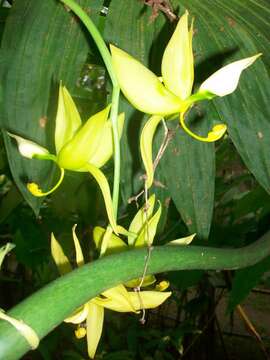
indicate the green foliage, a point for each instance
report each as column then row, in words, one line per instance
column 219, row 191
column 244, row 281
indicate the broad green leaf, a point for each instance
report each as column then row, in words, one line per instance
column 189, row 168
column 244, row 281
column 233, row 31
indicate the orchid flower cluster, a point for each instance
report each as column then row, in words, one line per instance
column 89, row 318
column 171, row 94
column 88, row 147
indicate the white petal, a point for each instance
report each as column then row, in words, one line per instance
column 225, row 80
column 28, row 148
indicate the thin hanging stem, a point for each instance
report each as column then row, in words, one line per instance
column 106, row 56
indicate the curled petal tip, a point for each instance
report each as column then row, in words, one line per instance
column 80, row 332
column 36, row 191
column 217, row 132
column 163, row 285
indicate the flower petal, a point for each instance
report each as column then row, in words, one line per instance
column 78, row 249
column 177, row 63
column 146, row 141
column 28, row 148
column 148, row 299
column 225, row 80
column 148, row 280
column 77, row 152
column 4, row 250
column 59, row 257
column 148, row 232
column 140, row 218
column 115, row 244
column 105, row 189
column 116, row 299
column 78, row 316
column 25, row 330
column 183, row 241
column 94, row 325
column 141, row 86
column 105, row 149
column 68, row 119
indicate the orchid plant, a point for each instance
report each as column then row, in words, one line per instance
column 88, row 147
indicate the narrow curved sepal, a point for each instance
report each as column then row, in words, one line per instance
column 177, row 63
column 225, row 80
column 78, row 249
column 4, row 250
column 105, row 189
column 142, row 87
column 94, row 326
column 68, row 119
column 139, row 220
column 84, row 144
column 146, row 236
column 146, row 141
column 59, row 257
column 115, row 244
column 183, row 241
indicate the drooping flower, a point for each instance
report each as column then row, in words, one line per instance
column 172, row 93
column 117, row 299
column 79, row 147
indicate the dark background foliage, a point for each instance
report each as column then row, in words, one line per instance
column 219, row 191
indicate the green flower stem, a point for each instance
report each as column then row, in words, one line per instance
column 47, row 308
column 117, row 159
column 91, row 27
column 106, row 56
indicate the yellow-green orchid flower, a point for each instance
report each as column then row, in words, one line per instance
column 172, row 93
column 79, row 147
column 116, row 299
